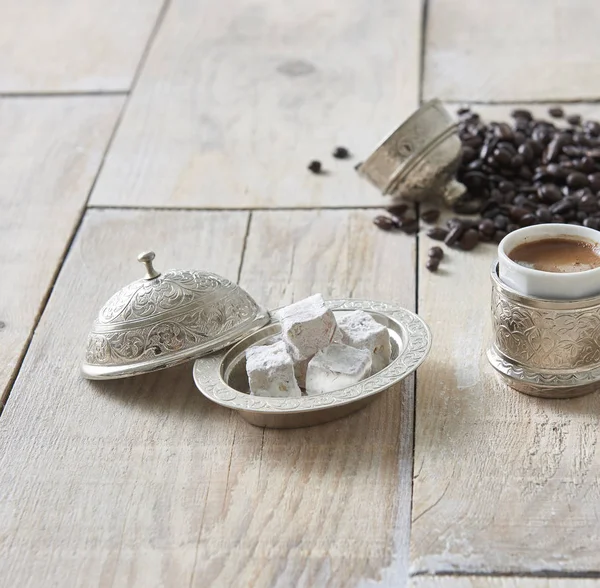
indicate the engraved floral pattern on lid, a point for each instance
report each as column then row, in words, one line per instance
column 165, row 319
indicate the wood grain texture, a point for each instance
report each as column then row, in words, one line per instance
column 144, row 482
column 73, row 45
column 512, row 50
column 48, row 160
column 237, row 98
column 504, row 483
column 500, row 582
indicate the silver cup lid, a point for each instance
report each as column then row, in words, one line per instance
column 419, row 159
column 165, row 319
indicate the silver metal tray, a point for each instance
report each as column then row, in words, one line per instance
column 221, row 377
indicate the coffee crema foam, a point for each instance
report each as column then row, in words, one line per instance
column 558, row 255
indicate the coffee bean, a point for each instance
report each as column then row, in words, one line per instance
column 499, row 235
column 549, row 193
column 574, row 119
column 592, row 223
column 577, row 180
column 315, row 167
column 410, row 227
column 592, row 128
column 469, row 240
column 517, row 161
column 500, row 222
column 341, row 153
column 581, row 216
column 544, row 215
column 468, row 154
column 562, row 206
column 556, row 112
column 430, row 216
column 468, row 207
column 502, row 157
column 436, row 252
column 454, row 234
column 505, row 186
column 511, row 227
column 398, row 209
column 528, row 219
column 588, row 203
column 433, row 263
column 463, row 110
column 487, row 227
column 504, row 132
column 594, row 180
column 385, row 223
column 526, row 151
column 521, row 113
column 517, row 213
column 437, row 233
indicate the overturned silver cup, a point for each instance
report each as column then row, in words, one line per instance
column 546, row 348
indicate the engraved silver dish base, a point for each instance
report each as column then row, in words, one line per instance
column 222, row 378
column 545, row 348
column 419, row 160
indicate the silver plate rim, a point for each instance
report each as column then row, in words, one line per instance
column 208, row 378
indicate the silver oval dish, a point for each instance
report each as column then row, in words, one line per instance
column 221, row 377
column 546, row 348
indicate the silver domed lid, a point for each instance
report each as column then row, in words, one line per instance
column 166, row 319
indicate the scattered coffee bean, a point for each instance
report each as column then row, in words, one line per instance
column 433, row 263
column 410, row 228
column 341, row 153
column 385, row 223
column 487, row 227
column 454, row 234
column 469, row 240
column 437, row 233
column 398, row 209
column 430, row 216
column 315, row 167
column 436, row 252
column 574, row 119
column 556, row 112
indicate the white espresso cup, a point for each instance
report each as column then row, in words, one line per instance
column 542, row 284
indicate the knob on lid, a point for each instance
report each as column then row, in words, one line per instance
column 168, row 318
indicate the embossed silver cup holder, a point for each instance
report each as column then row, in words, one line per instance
column 546, row 348
column 419, row 160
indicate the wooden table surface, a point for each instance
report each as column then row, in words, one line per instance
column 185, row 126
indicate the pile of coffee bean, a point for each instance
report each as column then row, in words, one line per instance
column 528, row 172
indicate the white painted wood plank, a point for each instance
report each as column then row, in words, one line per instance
column 237, row 98
column 512, row 50
column 73, row 45
column 110, row 484
column 143, row 482
column 49, row 157
column 503, row 483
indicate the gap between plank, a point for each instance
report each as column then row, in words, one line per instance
column 245, row 243
column 424, row 18
column 84, row 208
column 66, row 94
column 521, row 574
column 238, row 209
